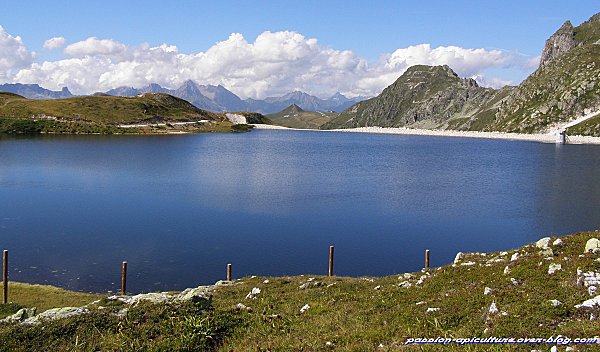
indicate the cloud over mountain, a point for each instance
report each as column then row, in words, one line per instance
column 274, row 64
column 13, row 55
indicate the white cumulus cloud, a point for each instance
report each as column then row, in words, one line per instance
column 54, row 43
column 13, row 55
column 93, row 46
column 275, row 63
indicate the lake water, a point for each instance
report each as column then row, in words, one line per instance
column 179, row 208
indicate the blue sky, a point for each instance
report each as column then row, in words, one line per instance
column 371, row 31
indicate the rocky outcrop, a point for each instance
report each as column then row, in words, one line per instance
column 559, row 43
column 28, row 316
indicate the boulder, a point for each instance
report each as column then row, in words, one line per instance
column 547, row 252
column 590, row 303
column 543, row 243
column 553, row 267
column 21, row 315
column 55, row 314
column 197, row 294
column 592, row 245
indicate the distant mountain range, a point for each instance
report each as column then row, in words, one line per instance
column 219, row 99
column 34, row 91
column 207, row 97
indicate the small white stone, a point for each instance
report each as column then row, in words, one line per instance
column 487, row 291
column 592, row 290
column 514, row 257
column 378, row 287
column 328, row 344
column 304, row 308
column 555, row 302
column 252, row 295
column 514, row 281
column 266, row 282
column 493, row 308
column 459, row 257
column 419, row 303
column 506, row 270
column 431, row 310
column 553, row 267
column 310, row 279
column 241, row 306
column 381, row 346
column 468, row 263
column 557, row 242
column 554, row 349
column 405, row 284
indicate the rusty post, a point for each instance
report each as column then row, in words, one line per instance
column 228, row 272
column 5, row 275
column 427, row 259
column 124, row 278
column 330, row 260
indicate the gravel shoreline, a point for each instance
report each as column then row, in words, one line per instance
column 543, row 138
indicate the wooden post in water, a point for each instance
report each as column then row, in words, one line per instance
column 228, row 272
column 427, row 259
column 124, row 278
column 5, row 275
column 330, row 260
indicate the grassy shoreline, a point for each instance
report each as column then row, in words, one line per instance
column 13, row 126
column 367, row 313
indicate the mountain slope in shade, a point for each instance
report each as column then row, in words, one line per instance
column 424, row 97
column 34, row 91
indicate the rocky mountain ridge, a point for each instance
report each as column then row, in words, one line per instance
column 426, row 97
column 564, row 87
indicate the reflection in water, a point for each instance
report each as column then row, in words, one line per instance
column 178, row 208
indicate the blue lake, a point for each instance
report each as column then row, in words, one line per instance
column 179, row 208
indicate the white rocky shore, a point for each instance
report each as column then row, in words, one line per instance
column 543, row 138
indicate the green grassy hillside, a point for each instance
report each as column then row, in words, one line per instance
column 101, row 114
column 294, row 117
column 105, row 109
column 353, row 314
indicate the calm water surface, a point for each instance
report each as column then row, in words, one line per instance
column 178, row 208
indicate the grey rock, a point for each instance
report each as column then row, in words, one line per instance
column 592, row 245
column 543, row 243
column 559, row 43
column 459, row 257
column 55, row 314
column 547, row 252
column 21, row 315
